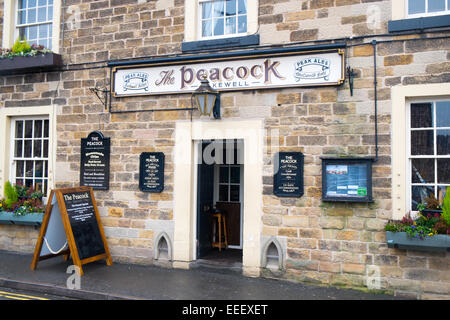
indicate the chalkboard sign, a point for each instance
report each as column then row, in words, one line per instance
column 151, row 172
column 83, row 229
column 94, row 167
column 288, row 177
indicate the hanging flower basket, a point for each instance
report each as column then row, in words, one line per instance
column 400, row 240
column 30, row 219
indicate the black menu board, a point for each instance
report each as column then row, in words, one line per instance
column 94, row 168
column 288, row 174
column 151, row 172
column 83, row 222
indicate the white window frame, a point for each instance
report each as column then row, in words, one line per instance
column 14, row 159
column 7, row 115
column 17, row 26
column 401, row 95
column 410, row 184
column 425, row 14
column 200, row 20
column 10, row 20
column 192, row 21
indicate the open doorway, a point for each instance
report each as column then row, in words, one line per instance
column 220, row 188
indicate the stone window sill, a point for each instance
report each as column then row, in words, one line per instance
column 234, row 42
column 419, row 23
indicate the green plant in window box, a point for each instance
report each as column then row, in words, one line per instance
column 426, row 224
column 22, row 48
column 21, row 200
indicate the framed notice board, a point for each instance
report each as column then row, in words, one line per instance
column 288, row 174
column 151, row 172
column 94, row 166
column 81, row 221
column 347, row 179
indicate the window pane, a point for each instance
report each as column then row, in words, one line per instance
column 422, row 142
column 218, row 9
column 37, row 150
column 43, row 31
column 231, row 7
column 18, row 149
column 218, row 27
column 230, row 25
column 31, row 16
column 22, row 4
column 50, row 13
column 206, row 10
column 421, row 115
column 242, row 6
column 29, row 168
column 234, row 193
column 242, row 24
column 42, row 2
column 32, row 34
column 442, row 190
column 45, row 154
column 22, row 17
column 38, row 128
column 46, row 129
column 235, row 175
column 42, row 14
column 39, row 169
column 443, row 170
column 31, row 3
column 19, row 168
column 46, row 168
column 422, row 170
column 28, row 128
column 29, row 182
column 206, row 28
column 223, row 192
column 416, row 6
column 27, row 149
column 443, row 142
column 419, row 194
column 19, row 129
column 443, row 114
column 436, row 5
column 223, row 175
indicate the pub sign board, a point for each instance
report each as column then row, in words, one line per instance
column 94, row 167
column 151, row 172
column 82, row 225
column 288, row 177
column 261, row 71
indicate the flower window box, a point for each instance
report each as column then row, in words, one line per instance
column 31, row 219
column 400, row 240
column 39, row 62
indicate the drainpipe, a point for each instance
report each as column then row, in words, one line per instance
column 374, row 44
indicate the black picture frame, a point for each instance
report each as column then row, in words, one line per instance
column 151, row 172
column 358, row 193
column 288, row 174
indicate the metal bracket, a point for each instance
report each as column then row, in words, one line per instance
column 350, row 75
column 98, row 93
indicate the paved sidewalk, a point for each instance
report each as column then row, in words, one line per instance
column 123, row 281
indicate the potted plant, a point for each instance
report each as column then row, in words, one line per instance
column 429, row 231
column 21, row 205
column 25, row 57
column 431, row 205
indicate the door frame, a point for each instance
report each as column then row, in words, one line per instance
column 185, row 192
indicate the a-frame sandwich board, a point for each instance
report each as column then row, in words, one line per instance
column 82, row 228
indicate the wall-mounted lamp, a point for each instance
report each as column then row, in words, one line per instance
column 207, row 99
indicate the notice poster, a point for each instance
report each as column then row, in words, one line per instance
column 151, row 172
column 346, row 180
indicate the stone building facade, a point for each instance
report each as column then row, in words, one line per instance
column 330, row 243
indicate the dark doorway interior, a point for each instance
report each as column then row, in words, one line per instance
column 214, row 192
